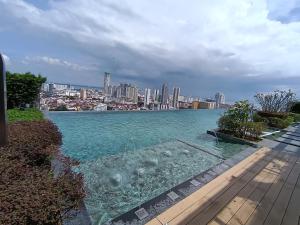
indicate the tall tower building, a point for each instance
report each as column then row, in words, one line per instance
column 176, row 93
column 164, row 95
column 220, row 99
column 132, row 93
column 83, row 94
column 147, row 97
column 106, row 82
column 155, row 95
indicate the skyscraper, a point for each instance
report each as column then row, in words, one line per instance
column 220, row 99
column 83, row 94
column 164, row 96
column 176, row 93
column 132, row 93
column 147, row 97
column 155, row 95
column 106, row 82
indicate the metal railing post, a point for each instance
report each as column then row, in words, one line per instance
column 3, row 103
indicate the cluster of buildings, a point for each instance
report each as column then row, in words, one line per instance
column 120, row 97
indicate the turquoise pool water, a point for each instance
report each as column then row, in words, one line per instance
column 128, row 158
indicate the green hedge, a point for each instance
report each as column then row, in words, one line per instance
column 296, row 117
column 273, row 114
column 277, row 120
column 15, row 115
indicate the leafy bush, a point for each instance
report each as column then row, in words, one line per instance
column 258, row 118
column 295, row 116
column 30, row 193
column 273, row 114
column 280, row 123
column 15, row 115
column 275, row 119
column 254, row 129
column 239, row 122
column 22, row 88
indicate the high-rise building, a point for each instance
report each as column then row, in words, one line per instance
column 155, row 95
column 220, row 99
column 147, row 97
column 176, row 93
column 83, row 94
column 132, row 93
column 164, row 95
column 106, row 82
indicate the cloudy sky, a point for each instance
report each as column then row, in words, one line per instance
column 238, row 47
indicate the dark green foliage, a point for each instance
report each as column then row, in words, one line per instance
column 296, row 107
column 238, row 121
column 30, row 193
column 15, row 115
column 22, row 88
column 296, row 116
column 279, row 123
column 254, row 129
column 273, row 114
column 258, row 118
column 276, row 120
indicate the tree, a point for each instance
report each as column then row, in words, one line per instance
column 238, row 121
column 278, row 101
column 22, row 88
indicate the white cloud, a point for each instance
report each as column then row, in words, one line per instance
column 57, row 62
column 6, row 59
column 175, row 30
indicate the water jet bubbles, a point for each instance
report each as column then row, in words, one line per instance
column 139, row 172
column 151, row 162
column 186, row 152
column 167, row 153
column 116, row 179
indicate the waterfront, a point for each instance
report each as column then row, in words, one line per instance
column 130, row 157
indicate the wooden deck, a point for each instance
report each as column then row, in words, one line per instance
column 262, row 189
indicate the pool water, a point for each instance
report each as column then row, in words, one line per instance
column 128, row 158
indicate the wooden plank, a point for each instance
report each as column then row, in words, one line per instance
column 202, row 214
column 249, row 206
column 277, row 212
column 230, row 210
column 292, row 214
column 215, row 185
column 154, row 222
column 262, row 210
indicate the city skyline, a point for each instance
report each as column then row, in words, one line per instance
column 238, row 47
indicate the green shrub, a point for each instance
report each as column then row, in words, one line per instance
column 258, row 118
column 227, row 123
column 280, row 123
column 254, row 129
column 15, row 115
column 295, row 116
column 280, row 115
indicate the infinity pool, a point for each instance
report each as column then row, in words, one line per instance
column 128, row 158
